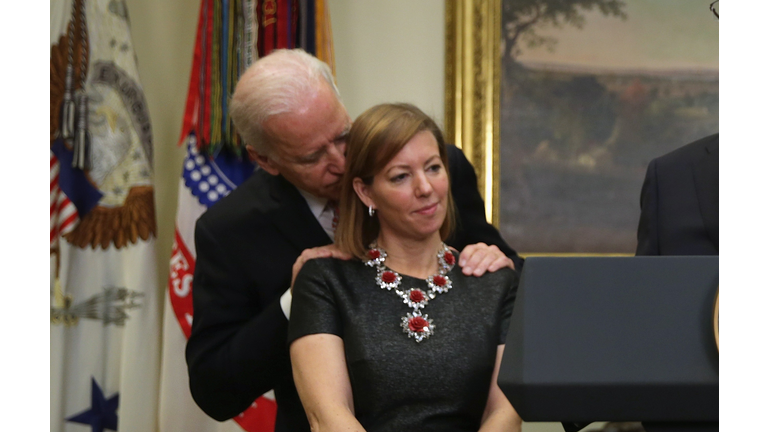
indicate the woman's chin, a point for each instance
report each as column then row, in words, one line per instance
column 419, row 229
column 427, row 232
column 431, row 226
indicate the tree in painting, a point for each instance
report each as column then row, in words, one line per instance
column 573, row 113
column 520, row 18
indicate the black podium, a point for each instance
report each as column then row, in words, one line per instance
column 615, row 339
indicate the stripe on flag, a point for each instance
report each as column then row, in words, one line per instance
column 64, row 216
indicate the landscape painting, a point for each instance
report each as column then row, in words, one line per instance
column 591, row 92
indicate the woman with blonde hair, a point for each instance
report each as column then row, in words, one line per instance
column 399, row 338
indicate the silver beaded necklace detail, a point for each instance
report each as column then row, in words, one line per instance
column 415, row 324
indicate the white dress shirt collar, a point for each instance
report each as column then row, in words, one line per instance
column 321, row 211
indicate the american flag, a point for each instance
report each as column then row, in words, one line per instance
column 64, row 216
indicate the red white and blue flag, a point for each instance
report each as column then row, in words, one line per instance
column 204, row 181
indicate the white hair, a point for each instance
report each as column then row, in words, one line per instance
column 275, row 84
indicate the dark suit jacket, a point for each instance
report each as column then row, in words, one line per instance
column 680, row 201
column 246, row 246
column 680, row 216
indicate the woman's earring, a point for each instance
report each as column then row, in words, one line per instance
column 371, row 211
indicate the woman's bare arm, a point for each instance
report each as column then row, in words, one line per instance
column 322, row 380
column 499, row 414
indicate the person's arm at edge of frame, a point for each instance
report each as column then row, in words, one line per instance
column 648, row 226
column 499, row 414
column 233, row 357
column 472, row 227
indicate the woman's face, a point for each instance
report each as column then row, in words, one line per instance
column 410, row 193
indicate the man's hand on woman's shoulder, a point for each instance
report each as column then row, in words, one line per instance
column 477, row 259
column 329, row 251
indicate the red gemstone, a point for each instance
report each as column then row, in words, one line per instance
column 417, row 296
column 417, row 324
column 373, row 254
column 439, row 280
column 449, row 258
column 388, row 277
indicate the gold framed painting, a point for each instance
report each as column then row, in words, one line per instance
column 560, row 106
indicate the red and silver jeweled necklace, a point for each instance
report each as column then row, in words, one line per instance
column 414, row 324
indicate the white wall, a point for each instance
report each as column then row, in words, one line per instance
column 389, row 51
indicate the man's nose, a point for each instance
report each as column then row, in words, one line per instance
column 337, row 159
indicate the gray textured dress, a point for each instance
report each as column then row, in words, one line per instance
column 439, row 384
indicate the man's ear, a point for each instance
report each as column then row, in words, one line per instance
column 264, row 161
column 363, row 192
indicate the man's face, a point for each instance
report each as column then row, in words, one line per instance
column 309, row 145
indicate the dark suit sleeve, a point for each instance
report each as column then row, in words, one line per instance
column 648, row 228
column 471, row 225
column 236, row 350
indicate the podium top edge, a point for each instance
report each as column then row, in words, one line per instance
column 591, row 256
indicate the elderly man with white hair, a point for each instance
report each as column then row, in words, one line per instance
column 251, row 244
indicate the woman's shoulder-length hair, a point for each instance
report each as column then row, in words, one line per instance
column 376, row 137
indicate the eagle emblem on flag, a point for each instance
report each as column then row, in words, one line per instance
column 102, row 196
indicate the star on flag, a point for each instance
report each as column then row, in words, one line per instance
column 103, row 412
